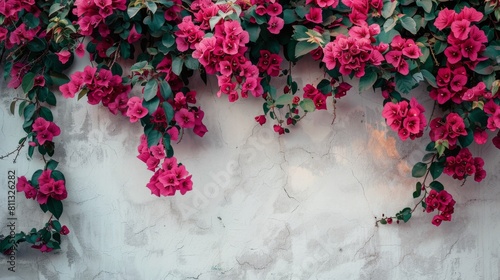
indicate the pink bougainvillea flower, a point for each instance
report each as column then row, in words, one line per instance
column 63, row 56
column 275, row 24
column 315, row 15
column 133, row 36
column 274, row 9
column 64, row 230
column 454, row 54
column 135, row 109
column 469, row 14
column 279, row 129
column 260, row 119
column 460, row 29
column 185, row 118
column 80, row 51
column 445, row 18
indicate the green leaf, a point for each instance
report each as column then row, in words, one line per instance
column 192, row 63
column 29, row 111
column 418, row 190
column 151, row 6
column 404, row 84
column 409, row 24
column 425, row 4
column 51, row 164
column 285, row 99
column 51, row 98
column 304, row 47
column 307, row 105
column 289, row 16
column 132, row 11
column 37, row 45
column 165, row 90
column 54, row 8
column 169, row 111
column 429, row 78
column 151, row 89
column 151, row 105
column 153, row 137
column 57, row 175
column 56, row 225
column 12, row 107
column 484, row 67
column 177, row 64
column 324, row 86
column 467, row 139
column 367, row 81
column 419, row 170
column 46, row 114
column 58, row 79
column 388, row 8
column 437, row 186
column 55, row 207
column 28, row 82
column 389, row 24
column 436, row 169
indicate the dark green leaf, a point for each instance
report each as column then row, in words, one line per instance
column 28, row 82
column 437, row 186
column 153, row 137
column 37, row 45
column 46, row 114
column 58, row 79
column 467, row 139
column 55, row 207
column 57, row 175
column 409, row 24
column 51, row 164
column 419, row 170
column 418, row 190
column 436, row 169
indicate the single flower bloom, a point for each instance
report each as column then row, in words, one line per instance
column 133, row 36
column 185, row 118
column 275, row 24
column 63, row 56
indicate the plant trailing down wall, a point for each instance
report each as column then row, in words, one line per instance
column 392, row 46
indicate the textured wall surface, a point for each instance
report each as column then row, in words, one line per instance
column 263, row 206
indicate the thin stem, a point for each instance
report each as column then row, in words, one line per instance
column 18, row 150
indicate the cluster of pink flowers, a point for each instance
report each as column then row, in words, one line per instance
column 222, row 54
column 169, row 176
column 45, row 130
column 102, row 86
column 361, row 9
column 316, row 96
column 135, row 110
column 407, row 119
column 355, row 51
column 92, row 13
column 493, row 110
column 269, row 63
column 271, row 10
column 466, row 40
column 9, row 10
column 449, row 128
column 402, row 49
column 441, row 201
column 451, row 84
column 47, row 187
column 186, row 116
column 463, row 165
column 188, row 35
